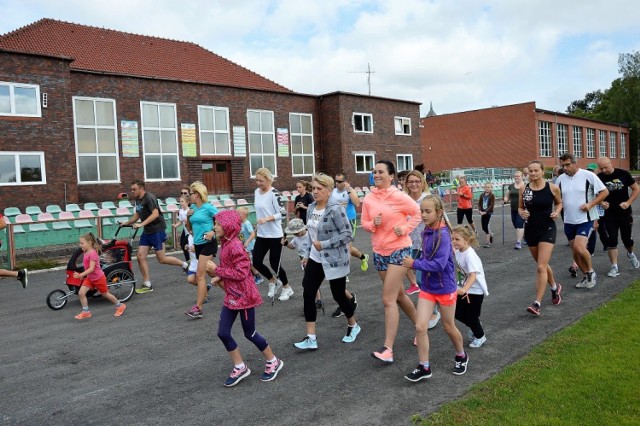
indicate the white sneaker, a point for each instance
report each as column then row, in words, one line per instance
column 582, row 283
column 476, row 343
column 591, row 283
column 613, row 272
column 274, row 288
column 434, row 322
column 634, row 260
column 286, row 294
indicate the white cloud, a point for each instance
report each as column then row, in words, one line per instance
column 461, row 55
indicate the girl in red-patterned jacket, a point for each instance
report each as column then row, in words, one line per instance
column 234, row 276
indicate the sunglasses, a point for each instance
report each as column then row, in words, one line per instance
column 339, row 181
column 184, row 193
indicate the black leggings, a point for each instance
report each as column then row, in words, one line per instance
column 274, row 247
column 184, row 244
column 484, row 220
column 468, row 313
column 313, row 277
column 462, row 213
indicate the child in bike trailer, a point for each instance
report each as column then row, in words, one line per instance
column 93, row 277
column 234, row 276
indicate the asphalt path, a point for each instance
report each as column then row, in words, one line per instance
column 154, row 365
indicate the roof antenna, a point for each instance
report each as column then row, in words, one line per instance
column 368, row 72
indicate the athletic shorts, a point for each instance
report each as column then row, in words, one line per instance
column 155, row 240
column 443, row 299
column 207, row 249
column 534, row 236
column 382, row 262
column 100, row 284
column 580, row 230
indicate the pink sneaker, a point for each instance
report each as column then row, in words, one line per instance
column 384, row 354
column 84, row 314
column 413, row 289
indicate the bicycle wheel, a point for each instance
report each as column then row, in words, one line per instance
column 57, row 299
column 121, row 284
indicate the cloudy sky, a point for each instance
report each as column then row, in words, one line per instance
column 459, row 54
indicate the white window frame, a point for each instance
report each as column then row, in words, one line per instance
column 160, row 129
column 602, row 143
column 215, row 132
column 12, row 99
column 544, row 138
column 16, row 163
column 612, row 144
column 562, row 147
column 623, row 145
column 402, row 126
column 293, row 140
column 365, row 155
column 577, row 141
column 363, row 116
column 262, row 133
column 591, row 148
column 407, row 159
column 96, row 127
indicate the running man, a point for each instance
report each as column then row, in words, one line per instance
column 581, row 192
column 154, row 234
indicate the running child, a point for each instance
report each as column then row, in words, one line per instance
column 437, row 286
column 248, row 237
column 486, row 202
column 233, row 275
column 472, row 287
column 182, row 218
column 93, row 277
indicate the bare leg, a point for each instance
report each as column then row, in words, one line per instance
column 201, row 280
column 143, row 251
column 393, row 296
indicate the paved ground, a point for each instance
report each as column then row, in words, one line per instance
column 154, row 365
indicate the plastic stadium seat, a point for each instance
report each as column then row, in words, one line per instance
column 229, row 203
column 42, row 217
column 72, row 208
column 65, row 224
column 12, row 211
column 242, row 202
column 36, row 227
column 286, row 193
column 295, row 193
column 53, row 209
column 105, row 214
column 108, row 205
column 171, row 200
column 84, row 223
column 212, row 197
column 33, row 210
column 172, row 208
column 125, row 203
column 217, row 204
column 91, row 206
column 123, row 211
column 23, row 218
column 223, row 197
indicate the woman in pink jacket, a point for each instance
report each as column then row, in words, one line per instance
column 390, row 215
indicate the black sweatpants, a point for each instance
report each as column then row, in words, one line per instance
column 313, row 277
column 468, row 313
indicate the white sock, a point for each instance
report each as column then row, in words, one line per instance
column 312, row 336
column 147, row 283
column 271, row 361
column 240, row 366
column 185, row 265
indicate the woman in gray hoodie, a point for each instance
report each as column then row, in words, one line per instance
column 329, row 232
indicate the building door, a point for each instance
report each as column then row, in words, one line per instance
column 217, row 176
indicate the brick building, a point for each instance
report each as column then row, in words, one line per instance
column 513, row 135
column 85, row 110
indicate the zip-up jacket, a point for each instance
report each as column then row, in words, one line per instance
column 438, row 271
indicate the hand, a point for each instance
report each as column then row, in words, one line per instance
column 77, row 275
column 407, row 262
column 303, row 262
column 398, row 231
column 584, row 207
column 262, row 220
column 605, row 205
column 317, row 245
column 554, row 215
column 377, row 221
column 524, row 213
column 624, row 205
column 209, row 235
column 461, row 291
column 136, row 225
column 215, row 281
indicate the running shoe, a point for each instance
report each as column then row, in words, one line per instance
column 364, row 263
column 274, row 288
column 258, row 279
column 460, row 366
column 582, row 283
column 82, row 315
column 434, row 322
column 285, row 294
column 534, row 308
column 384, row 354
column 194, row 312
column 418, row 374
column 413, row 289
column 518, row 245
column 634, row 260
column 319, row 304
column 23, row 277
column 591, row 279
column 613, row 272
column 120, row 310
column 307, row 344
column 476, row 343
column 573, row 271
column 144, row 289
column 236, row 376
column 271, row 370
column 556, row 296
column 337, row 313
column 352, row 333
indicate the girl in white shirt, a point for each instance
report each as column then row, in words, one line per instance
column 472, row 286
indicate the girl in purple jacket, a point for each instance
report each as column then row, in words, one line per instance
column 234, row 276
column 437, row 286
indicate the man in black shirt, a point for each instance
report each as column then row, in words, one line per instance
column 154, row 234
column 617, row 208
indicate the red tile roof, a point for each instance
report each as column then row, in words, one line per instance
column 107, row 51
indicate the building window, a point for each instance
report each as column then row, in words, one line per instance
column 160, row 141
column 302, row 163
column 18, row 99
column 213, row 124
column 404, row 162
column 262, row 142
column 623, row 145
column 96, row 135
column 365, row 161
column 403, row 126
column 362, row 123
column 22, row 168
column 562, row 139
column 591, row 146
column 545, row 138
column 602, row 143
column 612, row 144
column 577, row 142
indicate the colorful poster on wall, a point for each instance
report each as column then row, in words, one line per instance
column 130, row 144
column 283, row 142
column 188, row 140
column 239, row 141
